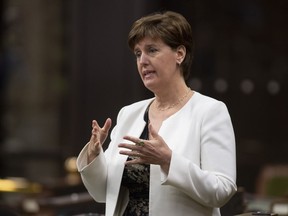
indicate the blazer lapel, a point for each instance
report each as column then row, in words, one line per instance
column 117, row 164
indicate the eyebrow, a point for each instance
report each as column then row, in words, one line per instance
column 147, row 45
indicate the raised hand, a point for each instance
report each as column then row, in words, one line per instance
column 152, row 151
column 98, row 137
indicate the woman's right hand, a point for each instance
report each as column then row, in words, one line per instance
column 97, row 139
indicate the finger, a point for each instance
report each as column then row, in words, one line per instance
column 132, row 139
column 140, row 143
column 127, row 146
column 107, row 125
column 95, row 128
column 95, row 124
column 134, row 154
column 129, row 153
column 137, row 159
column 134, row 161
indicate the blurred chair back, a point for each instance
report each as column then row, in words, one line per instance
column 273, row 181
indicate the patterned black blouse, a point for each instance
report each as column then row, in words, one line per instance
column 136, row 179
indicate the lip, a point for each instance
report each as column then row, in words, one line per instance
column 147, row 73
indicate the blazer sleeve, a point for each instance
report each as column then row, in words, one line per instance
column 213, row 182
column 94, row 175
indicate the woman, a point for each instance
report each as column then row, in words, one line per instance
column 173, row 154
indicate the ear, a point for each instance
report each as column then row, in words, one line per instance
column 180, row 54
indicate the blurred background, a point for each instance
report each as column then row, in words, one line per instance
column 66, row 62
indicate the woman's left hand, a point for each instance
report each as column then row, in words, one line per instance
column 152, row 151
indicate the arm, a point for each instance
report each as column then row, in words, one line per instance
column 94, row 170
column 93, row 174
column 91, row 162
column 213, row 183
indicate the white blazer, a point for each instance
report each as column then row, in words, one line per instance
column 202, row 172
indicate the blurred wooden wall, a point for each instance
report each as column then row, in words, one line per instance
column 240, row 58
column 32, row 57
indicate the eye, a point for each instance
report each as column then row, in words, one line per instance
column 137, row 54
column 152, row 50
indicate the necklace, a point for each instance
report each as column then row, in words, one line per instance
column 177, row 103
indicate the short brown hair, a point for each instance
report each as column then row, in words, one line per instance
column 172, row 28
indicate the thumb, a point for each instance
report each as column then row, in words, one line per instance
column 107, row 125
column 104, row 130
column 152, row 131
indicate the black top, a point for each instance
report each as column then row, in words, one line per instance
column 136, row 179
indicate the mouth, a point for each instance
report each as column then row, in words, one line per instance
column 147, row 73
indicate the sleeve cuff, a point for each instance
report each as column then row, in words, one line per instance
column 82, row 159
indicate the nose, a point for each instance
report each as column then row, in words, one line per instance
column 143, row 60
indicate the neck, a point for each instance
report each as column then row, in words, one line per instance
column 169, row 100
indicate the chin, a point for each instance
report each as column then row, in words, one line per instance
column 152, row 88
column 149, row 86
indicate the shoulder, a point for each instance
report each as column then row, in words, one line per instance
column 204, row 104
column 204, row 99
column 201, row 99
column 211, row 113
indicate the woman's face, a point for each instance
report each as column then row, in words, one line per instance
column 157, row 63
